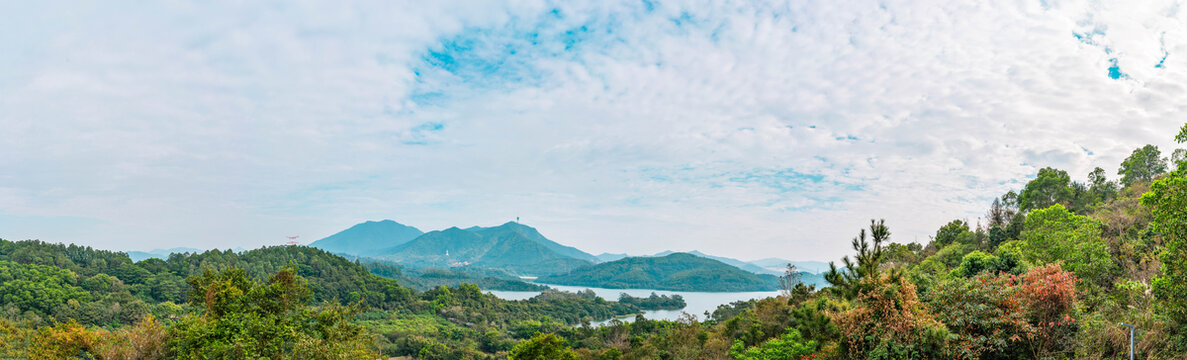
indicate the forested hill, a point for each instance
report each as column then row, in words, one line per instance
column 89, row 274
column 67, row 301
column 677, row 272
column 731, row 262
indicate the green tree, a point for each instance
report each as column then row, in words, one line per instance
column 1100, row 186
column 956, row 231
column 1178, row 157
column 542, row 346
column 1055, row 234
column 789, row 346
column 37, row 288
column 1167, row 201
column 977, row 262
column 1143, row 164
column 851, row 280
column 1051, row 186
column 247, row 319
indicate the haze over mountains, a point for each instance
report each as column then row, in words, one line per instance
column 160, row 253
column 521, row 250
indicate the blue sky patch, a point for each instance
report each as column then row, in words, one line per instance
column 1115, row 70
column 423, row 134
column 786, row 180
column 506, row 57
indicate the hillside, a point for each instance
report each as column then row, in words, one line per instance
column 514, row 229
column 155, row 280
column 731, row 262
column 677, row 272
column 511, row 247
column 429, row 278
column 367, row 238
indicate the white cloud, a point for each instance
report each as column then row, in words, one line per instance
column 675, row 128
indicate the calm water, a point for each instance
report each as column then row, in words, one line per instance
column 698, row 302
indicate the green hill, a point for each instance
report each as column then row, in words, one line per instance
column 511, row 247
column 676, row 272
column 729, row 261
column 368, row 237
column 113, row 278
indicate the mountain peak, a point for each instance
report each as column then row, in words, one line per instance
column 384, row 221
column 515, row 225
column 368, row 236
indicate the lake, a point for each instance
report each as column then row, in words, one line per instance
column 697, row 302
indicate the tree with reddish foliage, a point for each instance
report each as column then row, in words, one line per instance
column 889, row 322
column 1006, row 316
column 985, row 313
column 1049, row 294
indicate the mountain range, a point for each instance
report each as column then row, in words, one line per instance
column 521, row 251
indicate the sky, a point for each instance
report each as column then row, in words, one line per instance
column 747, row 129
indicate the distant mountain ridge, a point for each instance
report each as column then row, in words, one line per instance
column 607, row 257
column 517, row 249
column 676, row 272
column 814, row 267
column 368, row 237
column 160, row 253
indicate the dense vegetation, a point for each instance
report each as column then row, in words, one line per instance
column 429, row 278
column 676, row 272
column 654, row 302
column 286, row 302
column 1050, row 274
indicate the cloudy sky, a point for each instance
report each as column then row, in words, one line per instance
column 748, row 129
